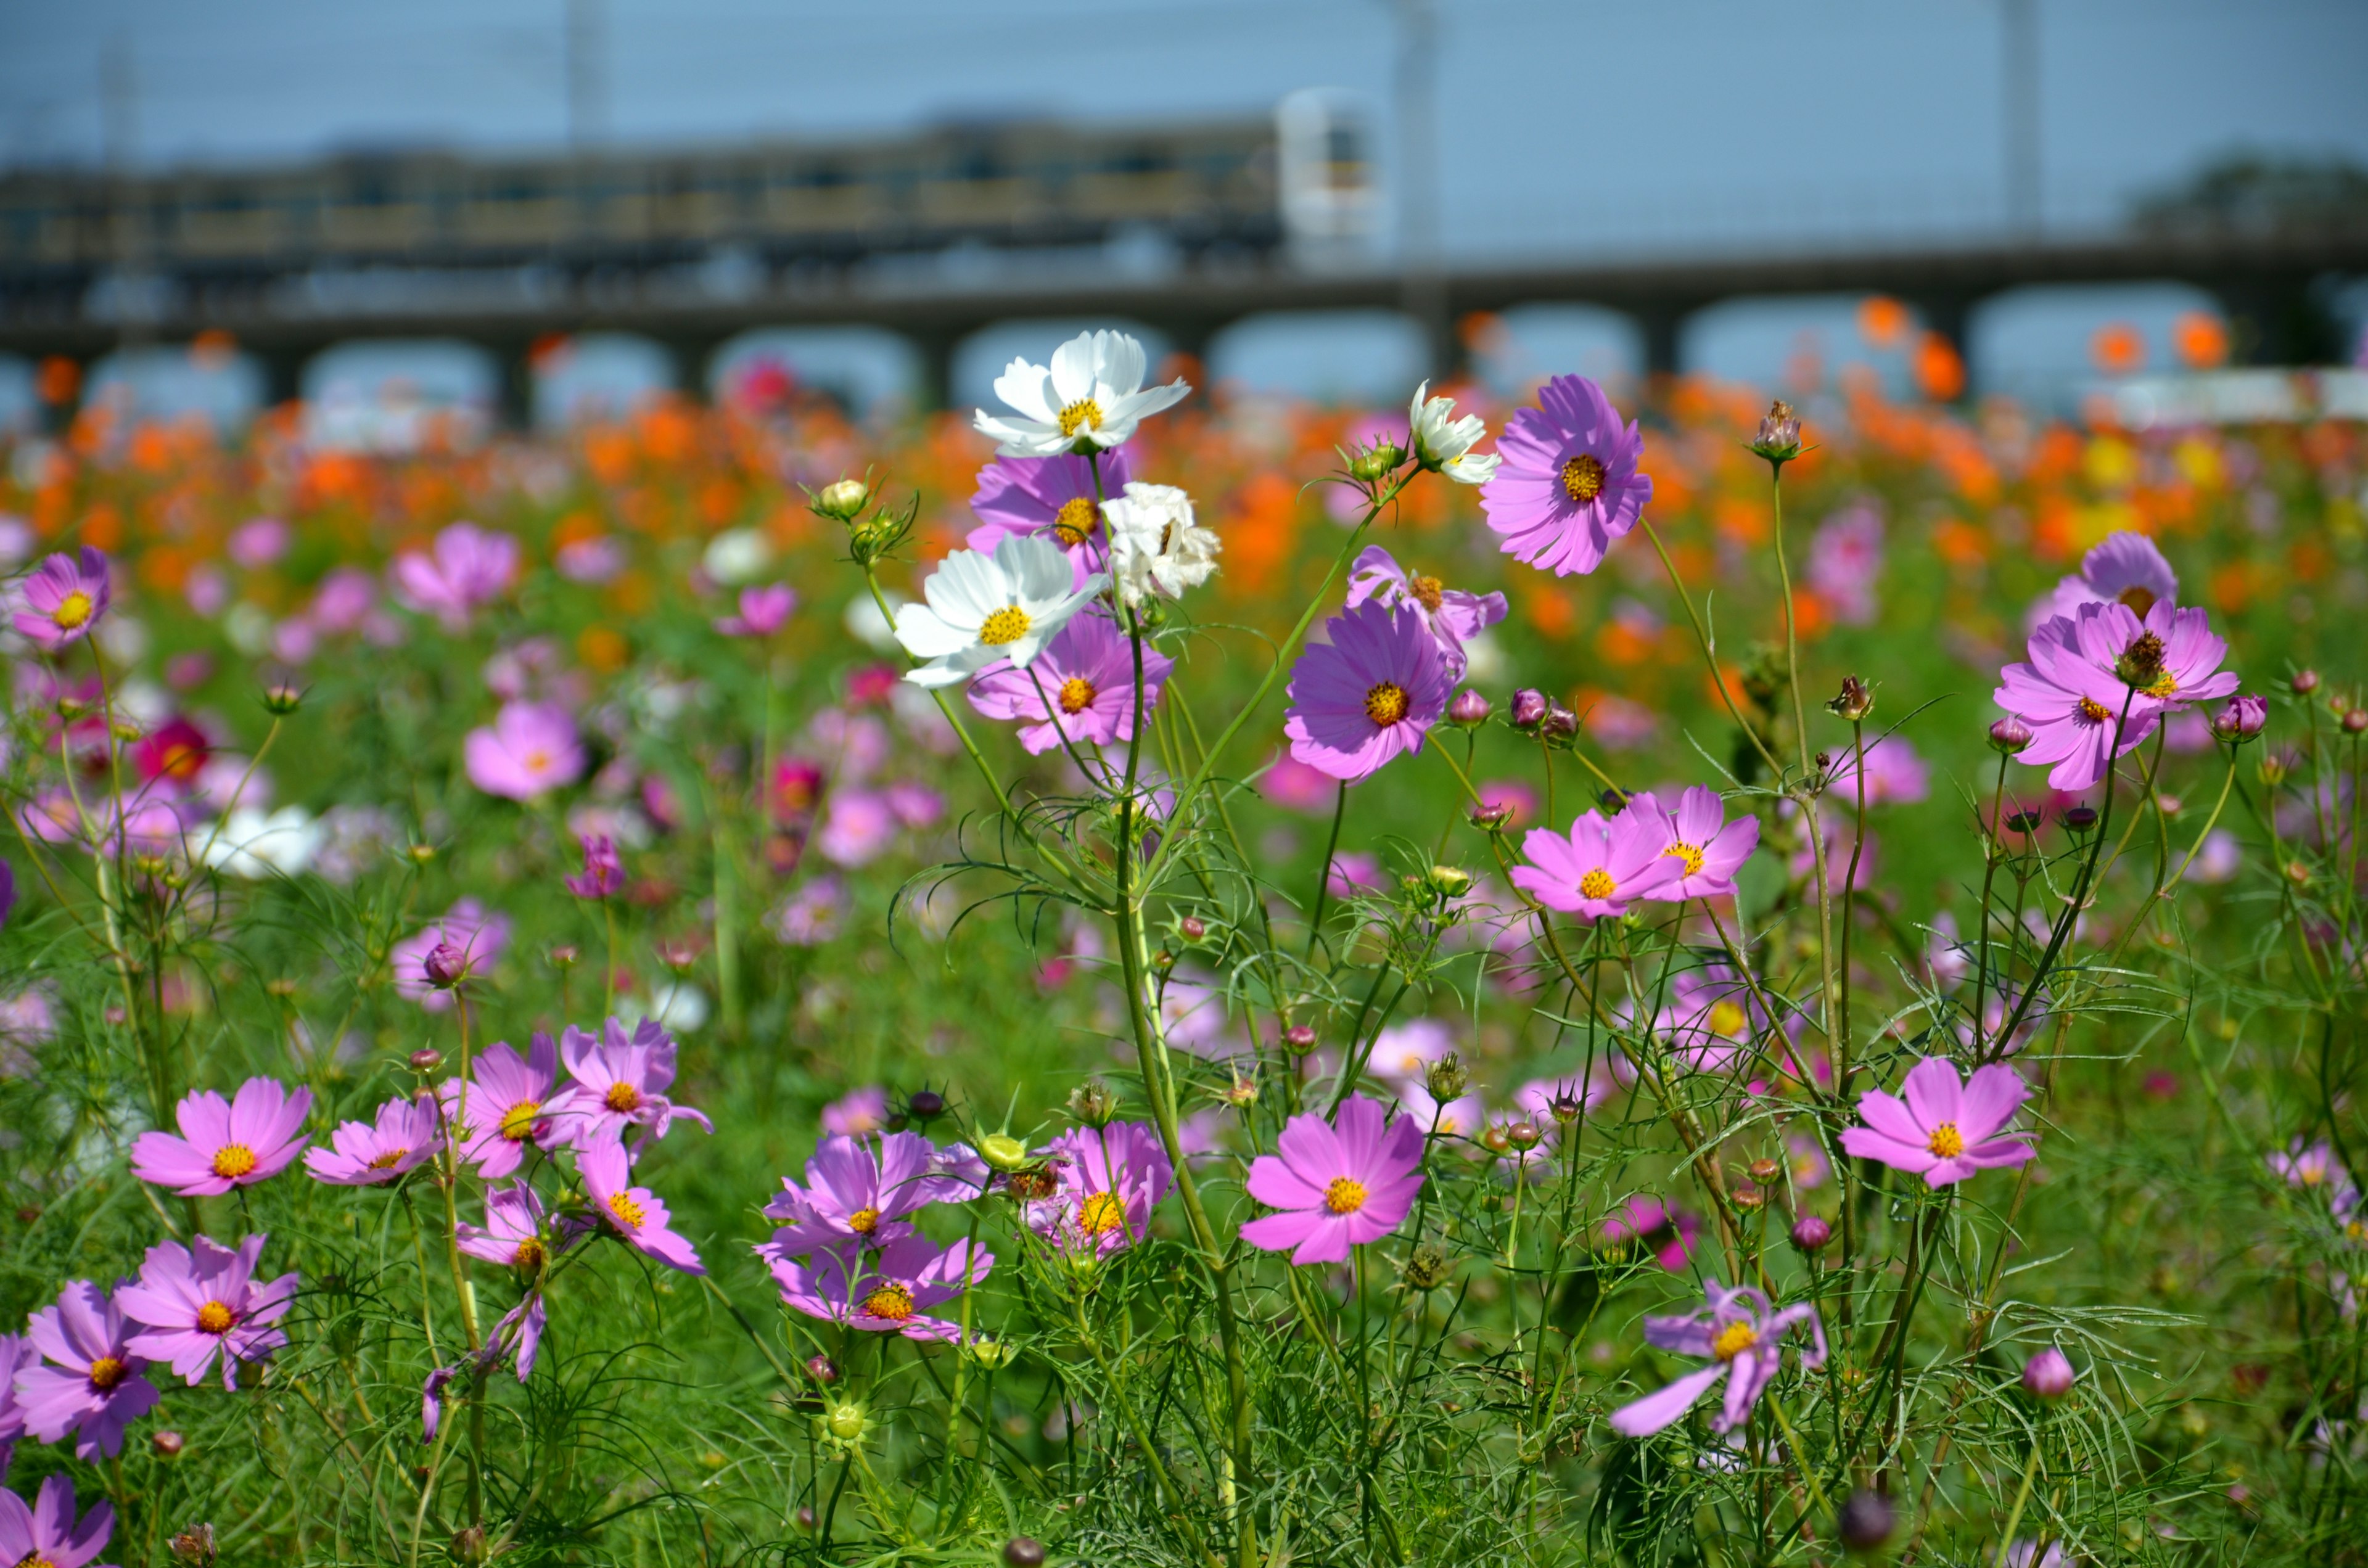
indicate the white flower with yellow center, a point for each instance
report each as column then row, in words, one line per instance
column 984, row 607
column 1443, row 442
column 1157, row 547
column 1088, row 400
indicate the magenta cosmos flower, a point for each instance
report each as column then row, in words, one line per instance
column 2085, row 675
column 1372, row 691
column 2125, row 568
column 1742, row 1337
column 1942, row 1127
column 621, row 1081
column 1110, row 1179
column 518, row 1231
column 857, row 1112
column 1662, row 1229
column 196, row 1302
column 406, row 1135
column 1055, row 497
column 529, row 749
column 763, row 612
column 857, row 1190
column 17, row 1353
column 1568, row 485
column 635, row 1213
column 886, row 1290
column 603, row 873
column 64, row 600
column 507, row 1102
column 1601, row 866
column 225, row 1143
column 1088, row 671
column 478, row 934
column 91, row 1382
column 1697, row 836
column 470, row 567
column 45, row 1535
column 1338, row 1186
column 1452, row 616
column 1711, row 1018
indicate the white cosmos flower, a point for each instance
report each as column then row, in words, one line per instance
column 1091, row 399
column 1444, row 442
column 1155, row 546
column 255, row 845
column 984, row 607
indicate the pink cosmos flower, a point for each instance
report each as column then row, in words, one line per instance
column 2312, row 1166
column 17, row 1353
column 1372, row 691
column 857, row 1190
column 64, row 600
column 1602, row 866
column 1110, row 1179
column 407, row 1134
column 915, row 805
column 1338, row 1186
column 468, row 928
column 883, row 1291
column 1844, row 559
column 590, row 560
column 810, row 917
column 1895, row 774
column 531, row 747
column 1697, row 836
column 1405, row 1051
column 1943, row 1127
column 1290, row 783
column 518, row 1231
column 223, row 1143
column 45, row 1535
column 603, row 875
column 344, row 600
column 1568, row 485
column 621, row 1081
column 91, row 1382
column 1741, row 1335
column 857, row 1112
column 2085, row 674
column 200, row 1302
column 1461, row 1119
column 635, row 1213
column 1452, row 616
column 859, row 827
column 1054, row 497
column 471, row 567
column 506, row 1102
column 1087, row 672
column 763, row 612
column 2125, row 568
column 1668, row 1233
column 1710, row 1019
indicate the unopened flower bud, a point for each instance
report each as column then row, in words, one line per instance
column 1377, row 462
column 1023, row 1552
column 1192, row 928
column 1855, row 702
column 2355, row 721
column 1778, row 440
column 2240, row 719
column 421, row 853
column 1299, row 1038
column 1453, row 882
column 822, row 1369
column 445, row 966
column 1491, row 817
column 427, row 1059
column 2049, row 1374
column 2305, row 682
column 844, row 1421
column 1865, row 1521
column 1494, row 1140
column 1748, row 1199
column 1524, row 1135
column 1530, row 707
column 2273, row 768
column 1565, row 1106
column 1241, row 1094
column 2080, row 819
column 1811, row 1233
column 565, row 955
column 926, row 1105
column 194, row 1546
column 1468, row 708
column 469, row 1544
column 1765, row 1171
column 2009, row 735
column 990, row 1353
column 2025, row 822
column 1612, row 802
column 1447, row 1078
column 842, row 500
column 281, row 700
column 1162, row 961
column 167, row 1444
column 1094, row 1102
column 805, row 1518
column 1426, row 1268
column 1560, row 723
column 1004, row 1152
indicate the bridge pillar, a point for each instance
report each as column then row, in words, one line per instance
column 2279, row 322
column 1662, row 326
column 934, row 349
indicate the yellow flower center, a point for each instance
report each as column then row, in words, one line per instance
column 1598, row 883
column 1078, row 694
column 1074, row 521
column 2161, row 686
column 215, row 1317
column 2094, row 711
column 1008, row 624
column 106, row 1372
column 1946, row 1141
column 1103, row 1212
column 1727, row 1019
column 628, row 1212
column 1426, row 592
column 1385, row 704
column 71, row 611
column 518, row 1123
column 35, row 1560
column 890, row 1302
column 2312, row 1174
column 389, row 1160
column 537, row 760
column 1582, row 478
column 1344, row 1196
column 529, row 1255
column 1733, row 1340
column 1083, row 414
column 863, row 1221
column 623, row 1099
column 1689, row 855
column 233, row 1161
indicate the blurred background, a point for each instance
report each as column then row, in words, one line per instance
column 461, row 216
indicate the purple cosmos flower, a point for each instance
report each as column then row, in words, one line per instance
column 1601, row 866
column 1338, row 1186
column 603, row 874
column 762, row 611
column 529, row 748
column 198, row 1302
column 2125, row 568
column 91, row 1383
column 862, row 826
column 1461, row 1119
column 1697, row 836
column 518, row 1231
column 407, row 1134
column 45, row 1535
column 470, row 567
column 1945, row 1127
column 1711, row 1018
column 1372, row 691
column 1739, row 1333
column 1054, row 497
column 223, row 1143
column 1844, row 559
column 857, row 1190
column 1087, row 672
column 507, row 1102
column 17, row 1353
column 2309, row 1165
column 1405, row 1052
column 635, row 1213
column 1568, row 485
column 857, row 1112
column 1110, row 1179
column 1895, row 774
column 479, row 935
column 1665, row 1231
column 621, row 1081
column 2084, row 673
column 64, row 600
column 810, row 917
column 1452, row 616
column 884, row 1291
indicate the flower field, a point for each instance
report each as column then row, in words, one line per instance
column 1148, row 976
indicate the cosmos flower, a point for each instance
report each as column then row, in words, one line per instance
column 175, row 749
column 1601, row 866
column 225, row 1143
column 982, row 608
column 1089, row 399
column 2124, row 568
column 859, row 827
column 1710, row 1019
column 1444, row 443
column 1370, row 693
column 478, row 934
column 603, row 874
column 1452, row 616
column 470, row 567
column 763, row 612
column 1157, row 547
column 2308, row 1166
column 91, row 1382
column 635, row 1213
column 1460, row 1119
column 16, row 1354
column 857, row 1113
column 1741, row 1335
column 882, row 1291
column 506, row 1102
column 64, row 600
column 621, row 1081
column 531, row 748
column 1943, row 1129
column 1404, row 1052
column 2084, row 675
column 45, row 1535
column 1089, row 673
column 857, row 1190
column 202, row 1301
column 1844, row 559
column 1338, row 1185
column 518, row 1231
column 1697, row 836
column 1569, row 484
column 406, row 1135
column 1056, row 498
column 1109, row 1180
column 810, row 917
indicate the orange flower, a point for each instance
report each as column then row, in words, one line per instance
column 1883, row 320
column 2201, row 340
column 1940, row 368
column 2118, row 348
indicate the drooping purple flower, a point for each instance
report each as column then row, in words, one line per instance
column 603, row 875
column 2124, row 568
column 1452, row 616
column 507, row 1102
column 883, row 1291
column 1111, row 1179
column 45, row 1535
column 225, row 1143
column 1052, row 496
column 1372, row 692
column 64, row 600
column 431, row 1400
column 635, row 1213
column 1088, row 673
column 91, row 1382
column 1337, row 1185
column 481, row 935
column 857, row 1190
column 1568, row 485
column 1600, row 865
column 470, row 567
column 529, row 749
column 621, row 1081
column 406, row 1135
column 1939, row 1126
column 1741, row 1335
column 763, row 612
column 1696, row 835
column 200, row 1302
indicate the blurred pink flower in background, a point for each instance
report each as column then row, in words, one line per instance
column 470, row 567
column 1290, row 783
column 857, row 1112
column 1844, row 559
column 479, row 935
column 1895, row 774
column 259, row 542
column 861, row 826
column 531, row 748
column 763, row 612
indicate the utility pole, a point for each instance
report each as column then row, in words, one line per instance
column 2018, row 112
column 1423, row 285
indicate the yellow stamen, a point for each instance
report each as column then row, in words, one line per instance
column 1427, row 592
column 1083, row 414
column 233, row 1161
column 1946, row 1141
column 2094, row 711
column 106, row 1372
column 518, row 1123
column 215, row 1317
column 2161, row 686
column 863, row 1221
column 71, row 611
column 389, row 1160
column 1078, row 694
column 1102, row 1212
column 628, row 1212
column 1008, row 624
column 1582, row 478
column 1074, row 521
column 1733, row 1340
column 529, row 1255
column 890, row 1302
column 1689, row 855
column 623, row 1099
column 1344, row 1196
column 1385, row 704
column 1598, row 883
column 1727, row 1019
column 537, row 760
